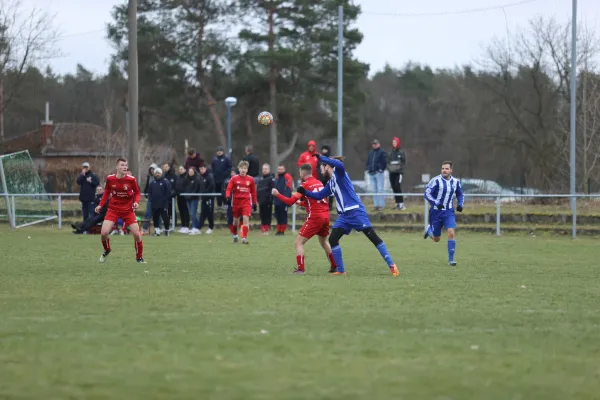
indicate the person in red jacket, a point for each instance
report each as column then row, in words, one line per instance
column 307, row 158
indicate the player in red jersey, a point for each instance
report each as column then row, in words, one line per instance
column 317, row 221
column 125, row 199
column 241, row 189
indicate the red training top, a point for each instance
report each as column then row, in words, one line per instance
column 242, row 191
column 125, row 191
column 316, row 208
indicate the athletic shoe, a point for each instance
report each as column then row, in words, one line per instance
column 141, row 261
column 338, row 273
column 452, row 263
column 332, row 270
column 209, row 231
column 299, row 271
column 394, row 270
column 184, row 230
column 245, row 241
column 104, row 255
column 235, row 239
column 167, row 233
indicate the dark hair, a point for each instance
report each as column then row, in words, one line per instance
column 121, row 159
column 447, row 162
column 191, row 151
column 306, row 167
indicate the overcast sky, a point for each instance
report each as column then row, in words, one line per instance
column 395, row 31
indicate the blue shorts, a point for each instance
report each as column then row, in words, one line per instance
column 441, row 218
column 357, row 220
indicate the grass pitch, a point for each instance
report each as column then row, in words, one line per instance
column 518, row 318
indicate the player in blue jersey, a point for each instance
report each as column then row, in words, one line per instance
column 440, row 195
column 351, row 212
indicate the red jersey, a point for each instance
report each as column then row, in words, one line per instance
column 316, row 208
column 124, row 192
column 241, row 190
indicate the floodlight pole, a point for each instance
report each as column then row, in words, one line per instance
column 573, row 116
column 132, row 78
column 340, row 85
column 230, row 102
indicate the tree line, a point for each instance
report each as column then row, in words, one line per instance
column 504, row 117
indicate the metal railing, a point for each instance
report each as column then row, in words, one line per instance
column 499, row 199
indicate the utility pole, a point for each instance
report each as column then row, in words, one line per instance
column 132, row 72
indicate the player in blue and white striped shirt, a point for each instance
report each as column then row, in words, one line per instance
column 352, row 214
column 440, row 195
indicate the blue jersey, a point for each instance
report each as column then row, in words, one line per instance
column 442, row 191
column 341, row 187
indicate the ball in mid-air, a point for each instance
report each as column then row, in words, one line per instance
column 265, row 118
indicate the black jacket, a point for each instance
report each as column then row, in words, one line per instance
column 159, row 193
column 283, row 188
column 181, row 183
column 321, row 177
column 221, row 168
column 207, row 185
column 224, row 188
column 192, row 185
column 377, row 161
column 396, row 161
column 87, row 191
column 171, row 176
column 253, row 168
column 263, row 190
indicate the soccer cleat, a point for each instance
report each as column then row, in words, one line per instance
column 299, row 271
column 394, row 270
column 338, row 273
column 426, row 234
column 245, row 241
column 166, row 233
column 140, row 261
column 332, row 270
column 452, row 263
column 235, row 239
column 104, row 255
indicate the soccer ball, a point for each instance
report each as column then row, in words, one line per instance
column 265, row 118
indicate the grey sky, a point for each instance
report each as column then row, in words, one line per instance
column 438, row 40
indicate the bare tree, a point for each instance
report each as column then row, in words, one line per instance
column 26, row 39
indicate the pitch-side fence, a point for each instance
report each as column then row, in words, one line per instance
column 498, row 199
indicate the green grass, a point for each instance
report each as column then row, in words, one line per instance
column 519, row 318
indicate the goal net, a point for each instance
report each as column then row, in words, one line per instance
column 25, row 199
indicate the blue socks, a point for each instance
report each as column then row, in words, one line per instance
column 337, row 256
column 451, row 249
column 384, row 253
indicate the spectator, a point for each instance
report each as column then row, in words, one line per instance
column 194, row 160
column 193, row 186
column 85, row 226
column 283, row 183
column 396, row 163
column 376, row 165
column 170, row 174
column 253, row 164
column 207, row 210
column 88, row 182
column 307, row 158
column 148, row 213
column 159, row 194
column 325, row 151
column 221, row 167
column 265, row 199
column 180, row 187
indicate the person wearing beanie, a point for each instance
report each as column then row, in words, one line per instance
column 159, row 195
column 396, row 161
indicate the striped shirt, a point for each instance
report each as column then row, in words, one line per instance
column 442, row 191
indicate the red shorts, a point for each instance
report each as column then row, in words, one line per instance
column 128, row 217
column 244, row 210
column 315, row 226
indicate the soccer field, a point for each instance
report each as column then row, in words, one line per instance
column 519, row 318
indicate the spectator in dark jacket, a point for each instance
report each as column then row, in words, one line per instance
column 194, row 160
column 221, row 167
column 376, row 165
column 193, row 186
column 180, row 187
column 253, row 164
column 170, row 174
column 396, row 163
column 207, row 203
column 88, row 182
column 325, row 151
column 159, row 194
column 86, row 225
column 265, row 199
column 148, row 213
column 283, row 183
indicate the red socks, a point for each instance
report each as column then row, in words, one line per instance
column 281, row 228
column 233, row 229
column 139, row 249
column 300, row 262
column 331, row 260
column 264, row 228
column 106, row 244
column 244, row 231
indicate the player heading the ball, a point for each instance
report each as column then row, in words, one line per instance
column 124, row 195
column 352, row 214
